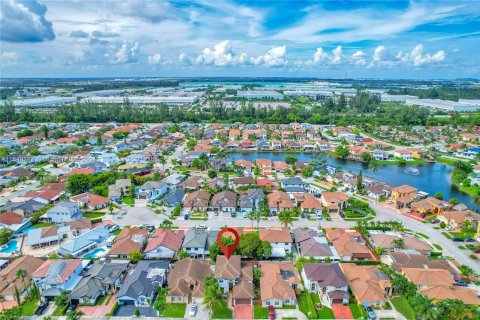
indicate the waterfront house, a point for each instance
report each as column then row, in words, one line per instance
column 380, row 155
column 141, row 285
column 403, row 154
column 185, row 282
column 402, row 191
column 293, row 185
column 326, row 280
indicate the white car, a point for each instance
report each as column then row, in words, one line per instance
column 389, row 201
column 193, row 310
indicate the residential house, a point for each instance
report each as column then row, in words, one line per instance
column 369, row 285
column 251, row 200
column 327, row 280
column 278, row 201
column 15, row 222
column 279, row 238
column 141, row 285
column 247, row 166
column 55, row 276
column 334, row 201
column 400, row 260
column 431, row 205
column 225, row 201
column 311, row 204
column 24, row 208
column 402, row 191
column 9, row 282
column 129, row 239
column 278, row 283
column 47, row 236
column 151, row 190
column 456, row 219
column 386, row 241
column 101, row 279
column 378, row 191
column 349, row 244
column 466, row 295
column 196, row 201
column 91, row 201
column 186, row 280
column 311, row 243
column 119, row 189
column 64, row 212
column 403, row 154
column 243, row 182
column 174, row 197
column 293, row 185
column 197, row 241
column 380, row 155
column 164, row 243
column 85, row 242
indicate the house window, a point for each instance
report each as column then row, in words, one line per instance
column 267, row 303
column 312, row 287
column 277, row 303
column 287, row 301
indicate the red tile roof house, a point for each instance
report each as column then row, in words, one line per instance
column 279, row 238
column 164, row 243
column 128, row 240
column 45, row 196
column 55, row 276
column 91, row 201
column 278, row 201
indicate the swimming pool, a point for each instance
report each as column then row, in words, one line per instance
column 9, row 247
column 95, row 253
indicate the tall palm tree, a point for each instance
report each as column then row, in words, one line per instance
column 286, row 217
column 476, row 200
column 425, row 308
column 162, row 161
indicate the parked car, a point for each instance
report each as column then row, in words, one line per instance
column 476, row 251
column 389, row 201
column 193, row 310
column 469, row 240
column 435, row 221
column 457, row 239
column 233, row 214
column 370, row 313
column 319, row 216
column 41, row 308
column 461, row 282
column 200, row 226
column 185, row 217
column 449, row 228
column 70, row 309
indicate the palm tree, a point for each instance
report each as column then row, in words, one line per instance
column 285, row 217
column 254, row 215
column 425, row 308
column 162, row 161
column 213, row 294
column 476, row 200
column 398, row 243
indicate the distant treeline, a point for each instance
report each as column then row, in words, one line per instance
column 444, row 93
column 358, row 110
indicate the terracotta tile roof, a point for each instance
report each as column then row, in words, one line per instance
column 277, row 279
column 466, row 295
column 229, row 269
column 346, row 244
column 366, row 282
column 334, row 197
column 243, row 290
column 186, row 278
column 429, row 277
column 405, row 189
column 91, row 199
column 71, row 266
column 8, row 218
column 82, row 171
column 279, row 199
column 171, row 239
column 311, row 202
column 281, row 234
column 128, row 239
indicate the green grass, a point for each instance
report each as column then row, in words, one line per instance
column 438, row 247
column 396, row 161
column 260, row 312
column 358, row 312
column 29, row 307
column 93, row 214
column 422, row 235
column 402, row 306
column 175, row 310
column 463, row 235
column 42, row 225
column 325, row 313
column 117, row 232
column 444, row 160
column 306, row 305
column 128, row 200
column 59, row 311
column 447, row 235
column 221, row 311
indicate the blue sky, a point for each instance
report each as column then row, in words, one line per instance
column 328, row 39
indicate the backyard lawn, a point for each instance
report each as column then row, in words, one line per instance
column 402, row 306
column 306, row 305
column 42, row 225
column 221, row 311
column 29, row 307
column 93, row 214
column 175, row 310
column 260, row 312
column 357, row 311
column 325, row 313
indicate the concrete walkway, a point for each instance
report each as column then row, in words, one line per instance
column 290, row 313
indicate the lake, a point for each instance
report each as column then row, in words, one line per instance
column 432, row 177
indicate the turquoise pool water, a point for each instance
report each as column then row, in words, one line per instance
column 10, row 246
column 95, row 254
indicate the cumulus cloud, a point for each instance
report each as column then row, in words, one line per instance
column 382, row 57
column 321, row 57
column 104, row 34
column 127, row 54
column 9, row 58
column 24, row 21
column 359, row 58
column 417, row 58
column 154, row 58
column 275, row 57
column 221, row 55
column 184, row 59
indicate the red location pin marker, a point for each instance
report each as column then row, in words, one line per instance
column 228, row 250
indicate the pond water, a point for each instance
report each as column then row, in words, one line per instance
column 429, row 177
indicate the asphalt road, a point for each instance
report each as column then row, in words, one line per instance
column 21, row 192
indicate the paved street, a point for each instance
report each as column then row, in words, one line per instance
column 21, row 190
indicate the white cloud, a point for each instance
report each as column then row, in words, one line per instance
column 126, row 54
column 337, row 55
column 359, row 58
column 321, row 57
column 418, row 58
column 154, row 58
column 184, row 59
column 221, row 55
column 275, row 57
column 9, row 58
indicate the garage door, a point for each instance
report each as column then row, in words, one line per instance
column 243, row 301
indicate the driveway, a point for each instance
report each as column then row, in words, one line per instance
column 341, row 312
column 290, row 313
column 129, row 311
column 243, row 311
column 201, row 313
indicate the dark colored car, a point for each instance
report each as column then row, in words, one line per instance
column 185, row 217
column 469, row 240
column 462, row 283
column 457, row 239
column 70, row 309
column 476, row 251
column 435, row 221
column 41, row 308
